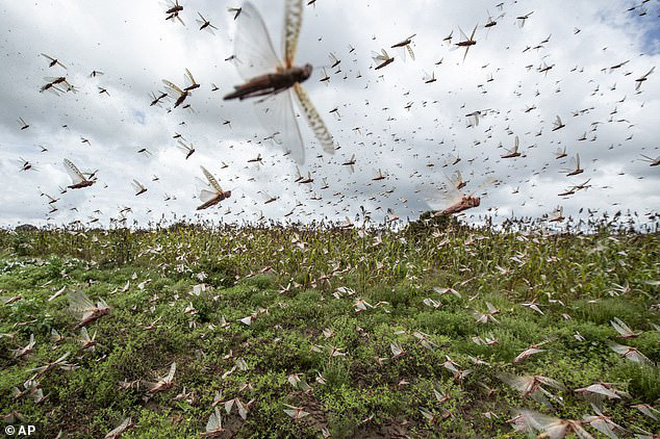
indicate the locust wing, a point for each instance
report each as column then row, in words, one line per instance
column 172, row 87
column 206, row 195
column 277, row 115
column 314, row 120
column 80, row 304
column 170, row 374
column 212, row 181
column 253, row 47
column 214, row 424
column 189, row 77
column 573, row 164
column 73, row 171
column 117, row 432
column 380, row 57
column 410, row 52
column 439, row 198
column 292, row 23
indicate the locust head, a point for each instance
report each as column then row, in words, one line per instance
column 472, row 201
column 306, row 72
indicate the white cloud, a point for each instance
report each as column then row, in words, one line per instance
column 136, row 48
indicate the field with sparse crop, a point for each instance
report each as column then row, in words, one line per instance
column 308, row 332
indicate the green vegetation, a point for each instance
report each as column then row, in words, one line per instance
column 332, row 305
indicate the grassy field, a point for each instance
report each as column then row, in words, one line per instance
column 365, row 334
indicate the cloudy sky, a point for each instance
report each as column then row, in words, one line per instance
column 392, row 119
